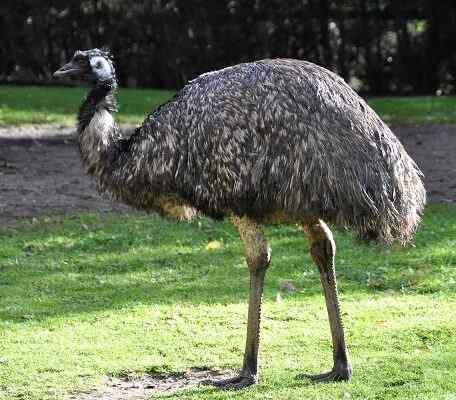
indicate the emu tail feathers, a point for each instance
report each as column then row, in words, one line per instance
column 400, row 213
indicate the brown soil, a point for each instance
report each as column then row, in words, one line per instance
column 41, row 173
column 433, row 147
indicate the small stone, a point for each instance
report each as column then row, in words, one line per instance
column 213, row 245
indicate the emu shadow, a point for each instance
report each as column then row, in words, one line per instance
column 131, row 385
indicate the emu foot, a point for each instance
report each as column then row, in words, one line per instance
column 238, row 382
column 338, row 373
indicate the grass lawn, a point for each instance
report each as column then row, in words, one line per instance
column 89, row 295
column 33, row 104
column 38, row 104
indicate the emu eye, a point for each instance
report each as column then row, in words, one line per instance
column 98, row 65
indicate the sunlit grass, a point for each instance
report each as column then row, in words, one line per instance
column 38, row 104
column 416, row 110
column 89, row 295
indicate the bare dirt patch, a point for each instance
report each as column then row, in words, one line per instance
column 41, row 173
column 135, row 387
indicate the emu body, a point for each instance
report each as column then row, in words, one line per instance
column 273, row 141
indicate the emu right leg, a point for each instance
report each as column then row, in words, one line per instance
column 323, row 250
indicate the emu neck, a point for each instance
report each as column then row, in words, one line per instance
column 101, row 98
column 97, row 129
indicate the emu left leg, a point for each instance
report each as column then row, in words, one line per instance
column 257, row 254
column 323, row 251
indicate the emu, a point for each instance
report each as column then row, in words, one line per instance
column 266, row 142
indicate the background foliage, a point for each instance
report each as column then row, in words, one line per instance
column 379, row 46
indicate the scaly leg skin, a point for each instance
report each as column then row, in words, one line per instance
column 323, row 251
column 257, row 255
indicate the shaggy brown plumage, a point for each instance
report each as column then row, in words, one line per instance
column 271, row 136
column 268, row 141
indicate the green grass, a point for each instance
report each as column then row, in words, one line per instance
column 415, row 110
column 89, row 295
column 37, row 104
column 30, row 104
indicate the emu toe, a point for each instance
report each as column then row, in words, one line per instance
column 238, row 382
column 337, row 374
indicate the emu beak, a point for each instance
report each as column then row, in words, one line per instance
column 69, row 69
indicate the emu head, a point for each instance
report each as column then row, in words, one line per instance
column 91, row 66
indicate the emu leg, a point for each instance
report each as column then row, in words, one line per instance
column 257, row 255
column 323, row 250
